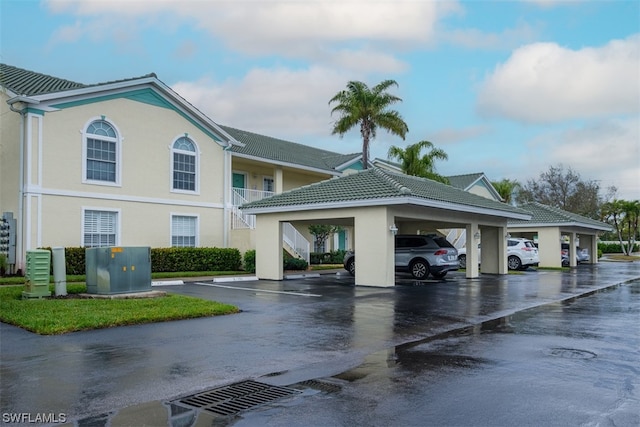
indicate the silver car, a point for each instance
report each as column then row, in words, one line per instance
column 419, row 255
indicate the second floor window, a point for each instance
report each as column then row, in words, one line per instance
column 184, row 164
column 101, row 152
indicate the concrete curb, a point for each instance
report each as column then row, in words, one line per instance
column 167, row 283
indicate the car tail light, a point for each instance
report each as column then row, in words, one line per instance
column 441, row 252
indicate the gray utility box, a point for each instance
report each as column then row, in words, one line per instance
column 118, row 270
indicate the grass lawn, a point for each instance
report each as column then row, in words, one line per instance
column 62, row 315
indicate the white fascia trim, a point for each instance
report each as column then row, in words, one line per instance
column 291, row 165
column 21, row 98
column 120, row 197
column 350, row 162
column 390, row 201
column 604, row 227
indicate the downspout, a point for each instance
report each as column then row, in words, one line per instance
column 19, row 219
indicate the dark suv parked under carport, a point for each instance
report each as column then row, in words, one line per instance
column 419, row 255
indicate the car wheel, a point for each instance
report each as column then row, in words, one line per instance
column 351, row 266
column 462, row 261
column 514, row 263
column 439, row 275
column 419, row 269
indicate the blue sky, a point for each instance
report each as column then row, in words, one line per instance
column 508, row 88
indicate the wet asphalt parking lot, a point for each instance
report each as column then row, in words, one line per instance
column 538, row 348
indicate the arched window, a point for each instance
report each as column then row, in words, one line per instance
column 101, row 152
column 184, row 164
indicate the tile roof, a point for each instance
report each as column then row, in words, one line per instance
column 266, row 147
column 29, row 83
column 464, row 181
column 543, row 214
column 377, row 183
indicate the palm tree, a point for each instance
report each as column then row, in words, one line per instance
column 358, row 104
column 412, row 164
column 506, row 189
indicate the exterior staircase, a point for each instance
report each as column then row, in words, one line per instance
column 293, row 242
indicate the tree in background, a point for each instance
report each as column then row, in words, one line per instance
column 322, row 232
column 564, row 189
column 413, row 164
column 624, row 216
column 506, row 188
column 369, row 108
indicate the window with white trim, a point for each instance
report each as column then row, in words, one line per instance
column 184, row 164
column 183, row 231
column 101, row 152
column 100, row 228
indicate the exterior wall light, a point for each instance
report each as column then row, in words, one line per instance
column 393, row 229
column 476, row 235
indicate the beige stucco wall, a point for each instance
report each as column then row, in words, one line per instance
column 143, row 199
column 147, row 133
column 481, row 190
column 9, row 156
column 140, row 224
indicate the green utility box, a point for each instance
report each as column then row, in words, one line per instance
column 118, row 270
column 36, row 278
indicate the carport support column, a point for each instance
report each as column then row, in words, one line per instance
column 590, row 242
column 374, row 246
column 573, row 262
column 269, row 259
column 472, row 251
column 494, row 250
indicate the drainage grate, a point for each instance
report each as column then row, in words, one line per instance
column 234, row 398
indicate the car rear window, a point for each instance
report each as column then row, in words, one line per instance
column 529, row 244
column 442, row 242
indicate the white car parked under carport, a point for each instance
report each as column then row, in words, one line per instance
column 521, row 254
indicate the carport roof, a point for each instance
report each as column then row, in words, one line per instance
column 543, row 215
column 377, row 187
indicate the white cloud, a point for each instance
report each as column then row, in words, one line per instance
column 289, row 28
column 606, row 151
column 509, row 38
column 544, row 83
column 279, row 102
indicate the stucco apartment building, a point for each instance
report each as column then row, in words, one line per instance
column 132, row 163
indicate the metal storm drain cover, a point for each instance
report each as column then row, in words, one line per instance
column 234, row 398
column 571, row 353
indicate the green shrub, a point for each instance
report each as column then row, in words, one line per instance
column 333, row 257
column 195, row 259
column 295, row 264
column 168, row 260
column 250, row 261
column 614, row 248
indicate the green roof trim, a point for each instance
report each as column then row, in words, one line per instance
column 543, row 214
column 377, row 184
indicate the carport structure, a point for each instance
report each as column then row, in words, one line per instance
column 377, row 204
column 549, row 224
